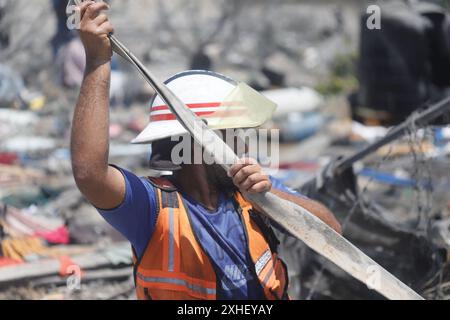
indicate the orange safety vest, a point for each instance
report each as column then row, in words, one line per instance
column 174, row 265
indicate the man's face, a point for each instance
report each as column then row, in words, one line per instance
column 235, row 142
column 218, row 177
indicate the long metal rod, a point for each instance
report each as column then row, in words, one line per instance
column 419, row 119
column 295, row 219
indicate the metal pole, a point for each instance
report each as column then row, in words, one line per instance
column 419, row 119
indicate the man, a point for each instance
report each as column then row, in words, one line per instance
column 194, row 235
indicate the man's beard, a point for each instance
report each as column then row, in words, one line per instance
column 217, row 177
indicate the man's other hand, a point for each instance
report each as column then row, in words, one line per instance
column 249, row 177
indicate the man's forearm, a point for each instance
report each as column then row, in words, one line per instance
column 312, row 206
column 90, row 127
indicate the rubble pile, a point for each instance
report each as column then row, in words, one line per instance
column 394, row 206
column 46, row 227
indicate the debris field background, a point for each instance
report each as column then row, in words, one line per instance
column 400, row 215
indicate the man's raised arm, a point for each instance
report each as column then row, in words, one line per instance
column 101, row 184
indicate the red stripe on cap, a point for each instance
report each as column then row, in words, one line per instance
column 165, row 117
column 205, row 114
column 191, row 106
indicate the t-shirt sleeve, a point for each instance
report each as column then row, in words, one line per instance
column 135, row 218
column 277, row 184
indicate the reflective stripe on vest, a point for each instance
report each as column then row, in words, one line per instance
column 262, row 261
column 171, row 239
column 179, row 282
column 175, row 266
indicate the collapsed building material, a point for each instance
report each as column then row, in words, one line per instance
column 115, row 255
column 13, row 176
column 87, row 276
column 400, row 241
column 27, row 144
column 18, row 224
column 415, row 121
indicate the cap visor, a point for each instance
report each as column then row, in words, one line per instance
column 159, row 130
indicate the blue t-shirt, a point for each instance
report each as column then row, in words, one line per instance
column 221, row 233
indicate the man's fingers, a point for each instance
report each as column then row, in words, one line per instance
column 106, row 28
column 83, row 7
column 101, row 19
column 260, row 187
column 241, row 164
column 253, row 180
column 250, row 181
column 245, row 172
column 235, row 169
column 93, row 10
